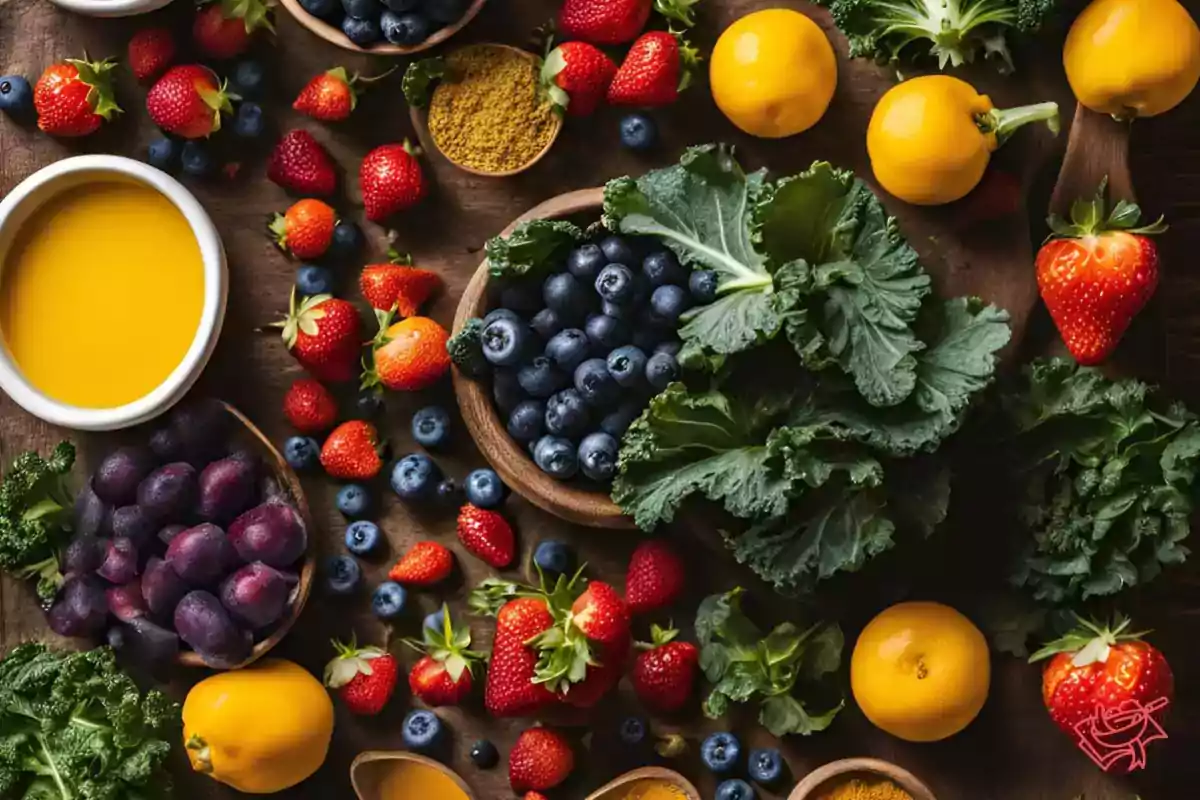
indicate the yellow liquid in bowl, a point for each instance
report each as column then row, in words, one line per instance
column 408, row 780
column 651, row 789
column 101, row 294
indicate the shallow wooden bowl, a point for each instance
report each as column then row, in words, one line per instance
column 509, row 459
column 290, row 485
column 647, row 773
column 420, row 123
column 368, row 770
column 828, row 776
column 334, row 35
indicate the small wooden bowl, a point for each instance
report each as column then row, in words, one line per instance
column 647, row 773
column 420, row 123
column 290, row 485
column 830, row 775
column 368, row 770
column 335, row 36
column 510, row 460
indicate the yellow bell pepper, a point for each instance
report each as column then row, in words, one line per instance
column 1132, row 58
column 260, row 729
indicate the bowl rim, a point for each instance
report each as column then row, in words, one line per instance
column 111, row 8
column 806, row 789
column 334, row 36
column 511, row 462
column 40, row 187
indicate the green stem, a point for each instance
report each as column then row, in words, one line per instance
column 1005, row 121
column 53, row 768
column 754, row 281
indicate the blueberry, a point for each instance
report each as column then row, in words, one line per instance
column 671, row 347
column 598, row 456
column 505, row 341
column 720, row 752
column 566, row 414
column 568, row 348
column 527, row 421
column 435, row 621
column 540, row 378
column 484, row 754
column 353, row 500
column 363, row 32
column 554, row 557
column 301, row 452
column 312, row 279
column 618, row 250
column 668, row 302
column 633, row 731
column 249, row 122
column 324, row 9
column 195, row 158
column 249, row 76
column 594, row 383
column 361, row 9
column 568, row 297
column 422, row 730
column 605, row 332
column 485, row 489
column 624, row 312
column 346, row 243
column 661, row 369
column 734, row 789
column 415, row 477
column 362, row 537
column 765, row 765
column 522, row 296
column 647, row 335
column 388, row 600
column 500, row 313
column 431, row 427
column 369, row 404
column 400, row 6
column 627, row 365
column 16, row 96
column 585, row 262
column 163, row 153
column 506, row 390
column 556, row 457
column 546, row 323
column 615, row 283
column 342, row 574
column 445, row 11
column 702, row 283
column 448, row 493
column 662, row 268
column 617, row 422
column 638, row 132
column 405, row 29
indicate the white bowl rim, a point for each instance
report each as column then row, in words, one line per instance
column 212, row 313
column 111, row 8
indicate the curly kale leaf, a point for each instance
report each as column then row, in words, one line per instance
column 533, row 248
column 466, row 349
column 34, row 515
column 420, row 78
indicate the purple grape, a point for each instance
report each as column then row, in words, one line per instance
column 201, row 555
column 169, row 493
column 202, row 428
column 162, row 588
column 255, row 595
column 206, row 626
column 144, row 642
column 166, row 446
column 81, row 609
column 169, row 532
column 117, row 478
column 92, row 515
column 83, row 555
column 126, row 602
column 120, row 561
column 228, row 487
column 134, row 524
column 272, row 533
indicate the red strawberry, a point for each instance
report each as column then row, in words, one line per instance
column 665, row 671
column 408, row 355
column 510, row 690
column 309, row 406
column 603, row 21
column 532, row 795
column 583, row 656
column 655, row 577
column 487, row 535
column 398, row 286
column 188, row 101
column 75, row 97
column 1095, row 274
column 425, row 564
column 351, row 452
column 444, row 676
column 301, row 165
column 391, row 180
column 223, row 28
column 323, row 335
column 577, row 75
column 330, row 96
column 656, row 69
column 601, row 614
column 541, row 759
column 151, row 50
column 305, row 229
column 601, row 677
column 364, row 677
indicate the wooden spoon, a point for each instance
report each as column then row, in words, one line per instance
column 610, row 790
column 369, row 769
column 823, row 778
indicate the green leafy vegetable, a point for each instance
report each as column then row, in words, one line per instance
column 1107, row 470
column 743, row 665
column 533, row 247
column 74, row 726
column 35, row 515
column 419, row 78
column 466, row 349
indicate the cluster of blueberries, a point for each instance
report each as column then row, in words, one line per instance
column 722, row 753
column 400, row 22
column 577, row 356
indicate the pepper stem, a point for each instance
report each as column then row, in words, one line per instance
column 1005, row 121
column 202, row 755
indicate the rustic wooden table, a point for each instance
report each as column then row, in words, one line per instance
column 1011, row 753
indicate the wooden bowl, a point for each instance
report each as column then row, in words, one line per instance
column 420, row 123
column 334, row 35
column 647, row 773
column 828, row 776
column 509, row 459
column 369, row 768
column 289, row 484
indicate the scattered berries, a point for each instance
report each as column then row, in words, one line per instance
column 151, row 51
column 541, row 759
column 305, row 229
column 309, row 406
column 425, row 564
column 188, row 101
column 301, row 165
column 364, row 677
column 391, row 180
column 352, row 451
column 75, row 97
column 655, row 577
column 487, row 535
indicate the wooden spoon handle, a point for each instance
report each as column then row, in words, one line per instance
column 1098, row 147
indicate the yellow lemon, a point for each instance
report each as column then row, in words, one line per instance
column 773, row 73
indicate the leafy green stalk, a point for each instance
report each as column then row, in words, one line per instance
column 35, row 507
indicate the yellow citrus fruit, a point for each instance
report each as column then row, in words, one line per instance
column 773, row 73
column 920, row 671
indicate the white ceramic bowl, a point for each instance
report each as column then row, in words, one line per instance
column 111, row 8
column 27, row 198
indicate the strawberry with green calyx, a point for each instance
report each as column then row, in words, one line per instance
column 596, row 620
column 664, row 672
column 322, row 332
column 305, row 230
column 222, row 28
column 330, row 96
column 75, row 97
column 576, row 77
column 188, row 101
column 510, row 690
column 1096, row 272
column 397, row 285
column 406, row 356
column 444, row 676
column 656, row 69
column 391, row 180
column 680, row 11
column 364, row 677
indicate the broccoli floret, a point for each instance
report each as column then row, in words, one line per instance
column 466, row 349
column 34, row 512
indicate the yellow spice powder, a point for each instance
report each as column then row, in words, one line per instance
column 858, row 789
column 489, row 112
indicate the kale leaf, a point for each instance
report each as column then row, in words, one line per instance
column 35, row 515
column 466, row 349
column 532, row 247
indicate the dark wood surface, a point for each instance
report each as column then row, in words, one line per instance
column 1012, row 752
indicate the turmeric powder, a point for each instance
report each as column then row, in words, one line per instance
column 858, row 789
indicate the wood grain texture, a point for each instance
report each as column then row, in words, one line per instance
column 1012, row 752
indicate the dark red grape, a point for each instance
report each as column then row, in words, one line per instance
column 120, row 561
column 134, row 524
column 83, row 555
column 144, row 642
column 169, row 493
column 162, row 588
column 202, row 427
column 272, row 533
column 255, row 595
column 166, row 446
column 125, row 602
column 202, row 622
column 81, row 609
column 92, row 515
column 117, row 478
column 201, row 555
column 169, row 532
column 228, row 487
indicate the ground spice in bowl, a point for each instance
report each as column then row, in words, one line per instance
column 859, row 789
column 489, row 113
